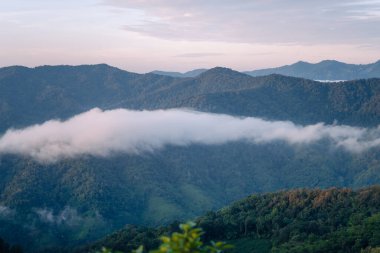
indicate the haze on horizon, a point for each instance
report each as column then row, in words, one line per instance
column 143, row 35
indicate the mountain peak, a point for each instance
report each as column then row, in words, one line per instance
column 221, row 71
column 301, row 63
column 330, row 62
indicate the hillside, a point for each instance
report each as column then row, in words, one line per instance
column 333, row 220
column 30, row 96
column 76, row 200
column 324, row 70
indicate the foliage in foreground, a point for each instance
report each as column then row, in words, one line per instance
column 186, row 241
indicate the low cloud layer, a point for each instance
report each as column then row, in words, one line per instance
column 102, row 133
column 68, row 216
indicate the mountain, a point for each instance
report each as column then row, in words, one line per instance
column 191, row 73
column 29, row 96
column 324, row 70
column 332, row 220
column 77, row 200
column 327, row 70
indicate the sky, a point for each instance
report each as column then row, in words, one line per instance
column 142, row 35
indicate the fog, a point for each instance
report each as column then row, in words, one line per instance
column 102, row 133
column 68, row 216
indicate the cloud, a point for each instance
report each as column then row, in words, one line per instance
column 363, row 10
column 276, row 21
column 6, row 212
column 102, row 133
column 67, row 216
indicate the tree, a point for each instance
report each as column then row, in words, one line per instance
column 187, row 241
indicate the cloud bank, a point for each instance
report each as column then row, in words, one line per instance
column 102, row 133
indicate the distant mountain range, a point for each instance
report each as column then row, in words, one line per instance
column 325, row 70
column 77, row 200
column 192, row 73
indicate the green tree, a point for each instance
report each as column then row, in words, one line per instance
column 188, row 240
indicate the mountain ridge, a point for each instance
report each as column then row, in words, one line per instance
column 191, row 73
column 63, row 91
column 324, row 70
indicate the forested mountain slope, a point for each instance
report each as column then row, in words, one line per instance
column 332, row 220
column 76, row 200
column 29, row 96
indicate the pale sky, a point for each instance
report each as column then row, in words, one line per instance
column 142, row 35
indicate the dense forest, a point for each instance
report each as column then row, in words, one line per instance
column 33, row 95
column 74, row 201
column 332, row 220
